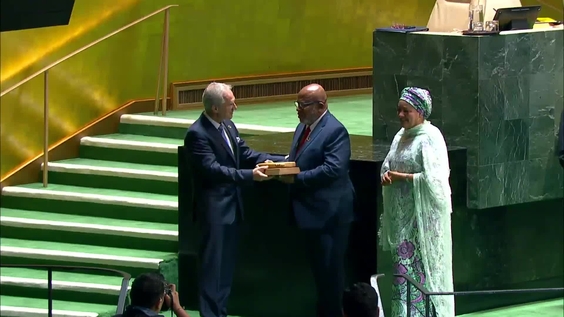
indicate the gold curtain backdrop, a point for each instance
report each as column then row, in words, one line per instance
column 226, row 39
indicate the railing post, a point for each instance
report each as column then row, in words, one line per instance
column 163, row 63
column 121, row 299
column 165, row 57
column 408, row 298
column 45, row 127
column 50, row 292
column 159, row 79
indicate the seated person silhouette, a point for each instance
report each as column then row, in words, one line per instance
column 360, row 300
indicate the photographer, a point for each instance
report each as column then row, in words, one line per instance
column 151, row 294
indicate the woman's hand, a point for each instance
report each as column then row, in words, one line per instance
column 386, row 179
column 395, row 176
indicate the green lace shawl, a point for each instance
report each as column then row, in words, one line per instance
column 432, row 212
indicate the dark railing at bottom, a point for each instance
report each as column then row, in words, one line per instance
column 65, row 268
column 427, row 294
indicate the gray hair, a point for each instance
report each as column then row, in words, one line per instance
column 213, row 95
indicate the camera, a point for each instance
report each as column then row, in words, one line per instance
column 167, row 304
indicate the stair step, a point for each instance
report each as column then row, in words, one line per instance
column 117, row 164
column 152, row 120
column 93, row 173
column 131, row 148
column 76, row 282
column 133, row 142
column 38, row 220
column 94, row 202
column 89, row 255
column 12, row 306
column 96, row 195
column 178, row 121
column 151, row 125
column 117, row 169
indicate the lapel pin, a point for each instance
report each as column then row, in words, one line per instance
column 229, row 126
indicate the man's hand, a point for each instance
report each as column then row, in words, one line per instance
column 386, row 179
column 259, row 175
column 287, row 179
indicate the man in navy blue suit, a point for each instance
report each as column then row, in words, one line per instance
column 217, row 157
column 322, row 194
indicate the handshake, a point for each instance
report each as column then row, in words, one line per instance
column 260, row 172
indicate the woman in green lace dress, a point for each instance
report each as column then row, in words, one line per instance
column 415, row 225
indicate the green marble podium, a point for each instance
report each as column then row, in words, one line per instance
column 498, row 96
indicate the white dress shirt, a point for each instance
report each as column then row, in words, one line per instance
column 216, row 125
column 314, row 124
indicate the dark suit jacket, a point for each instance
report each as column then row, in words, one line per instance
column 322, row 192
column 217, row 173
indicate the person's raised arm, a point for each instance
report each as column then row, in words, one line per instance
column 175, row 301
column 385, row 177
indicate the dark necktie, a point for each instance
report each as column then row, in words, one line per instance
column 305, row 136
column 224, row 136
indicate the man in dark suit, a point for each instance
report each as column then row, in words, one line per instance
column 322, row 194
column 216, row 157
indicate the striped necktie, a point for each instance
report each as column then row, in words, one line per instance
column 224, row 135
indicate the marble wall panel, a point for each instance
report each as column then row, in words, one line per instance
column 499, row 97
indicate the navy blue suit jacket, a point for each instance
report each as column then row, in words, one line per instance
column 217, row 173
column 322, row 193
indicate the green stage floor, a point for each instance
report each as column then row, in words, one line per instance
column 355, row 112
column 550, row 308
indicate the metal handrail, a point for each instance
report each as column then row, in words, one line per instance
column 427, row 294
column 45, row 72
column 50, row 268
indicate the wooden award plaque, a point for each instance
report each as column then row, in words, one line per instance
column 280, row 168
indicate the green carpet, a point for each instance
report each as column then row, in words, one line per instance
column 355, row 112
column 549, row 308
column 115, row 206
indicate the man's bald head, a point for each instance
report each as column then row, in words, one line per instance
column 311, row 103
column 313, row 92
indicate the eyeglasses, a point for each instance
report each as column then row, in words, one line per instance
column 302, row 105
